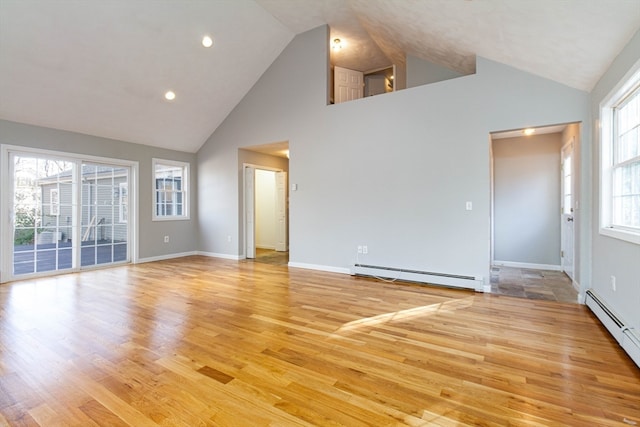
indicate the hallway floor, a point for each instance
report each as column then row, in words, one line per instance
column 532, row 284
column 269, row 256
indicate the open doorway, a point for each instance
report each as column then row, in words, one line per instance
column 265, row 203
column 533, row 212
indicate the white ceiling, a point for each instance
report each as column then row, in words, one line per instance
column 101, row 67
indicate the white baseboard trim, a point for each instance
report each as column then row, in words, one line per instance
column 319, row 267
column 164, row 257
column 532, row 266
column 223, row 256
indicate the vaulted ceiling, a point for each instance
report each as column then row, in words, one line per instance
column 102, row 67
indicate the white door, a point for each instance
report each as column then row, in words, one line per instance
column 250, row 212
column 347, row 84
column 281, row 211
column 567, row 214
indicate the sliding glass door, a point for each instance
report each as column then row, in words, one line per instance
column 67, row 213
column 43, row 208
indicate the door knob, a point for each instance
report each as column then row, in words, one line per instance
column 570, row 218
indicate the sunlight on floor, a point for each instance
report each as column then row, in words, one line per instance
column 407, row 314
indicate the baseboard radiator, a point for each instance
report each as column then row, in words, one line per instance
column 430, row 277
column 626, row 336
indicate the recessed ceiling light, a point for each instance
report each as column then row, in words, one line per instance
column 207, row 41
column 529, row 131
column 170, row 95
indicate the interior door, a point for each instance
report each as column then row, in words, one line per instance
column 347, row 84
column 250, row 212
column 281, row 211
column 567, row 215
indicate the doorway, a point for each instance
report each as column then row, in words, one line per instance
column 266, row 212
column 532, row 212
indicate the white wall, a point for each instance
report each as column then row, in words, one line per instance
column 527, row 199
column 613, row 257
column 265, row 193
column 392, row 172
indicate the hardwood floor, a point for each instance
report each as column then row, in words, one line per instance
column 199, row 341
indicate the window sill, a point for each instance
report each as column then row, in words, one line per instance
column 170, row 218
column 627, row 236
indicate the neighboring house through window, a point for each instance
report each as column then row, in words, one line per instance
column 54, row 201
column 620, row 160
column 170, row 181
column 123, row 206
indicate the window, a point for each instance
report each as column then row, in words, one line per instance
column 620, row 161
column 171, row 187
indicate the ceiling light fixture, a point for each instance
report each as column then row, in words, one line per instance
column 170, row 95
column 337, row 44
column 529, row 131
column 207, row 41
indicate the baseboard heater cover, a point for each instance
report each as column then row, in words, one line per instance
column 456, row 280
column 626, row 336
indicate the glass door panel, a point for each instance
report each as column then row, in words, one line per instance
column 104, row 214
column 43, row 207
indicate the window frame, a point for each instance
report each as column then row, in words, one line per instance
column 184, row 191
column 628, row 86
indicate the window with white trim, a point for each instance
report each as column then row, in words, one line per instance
column 171, row 189
column 620, row 161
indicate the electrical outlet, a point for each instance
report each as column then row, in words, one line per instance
column 360, row 249
column 365, row 249
column 613, row 283
column 166, row 239
column 469, row 206
column 229, row 239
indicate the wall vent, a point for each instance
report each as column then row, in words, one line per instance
column 626, row 336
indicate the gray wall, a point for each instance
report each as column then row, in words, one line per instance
column 421, row 72
column 527, row 199
column 613, row 257
column 392, row 172
column 183, row 234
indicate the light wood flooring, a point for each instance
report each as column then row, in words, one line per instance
column 206, row 342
